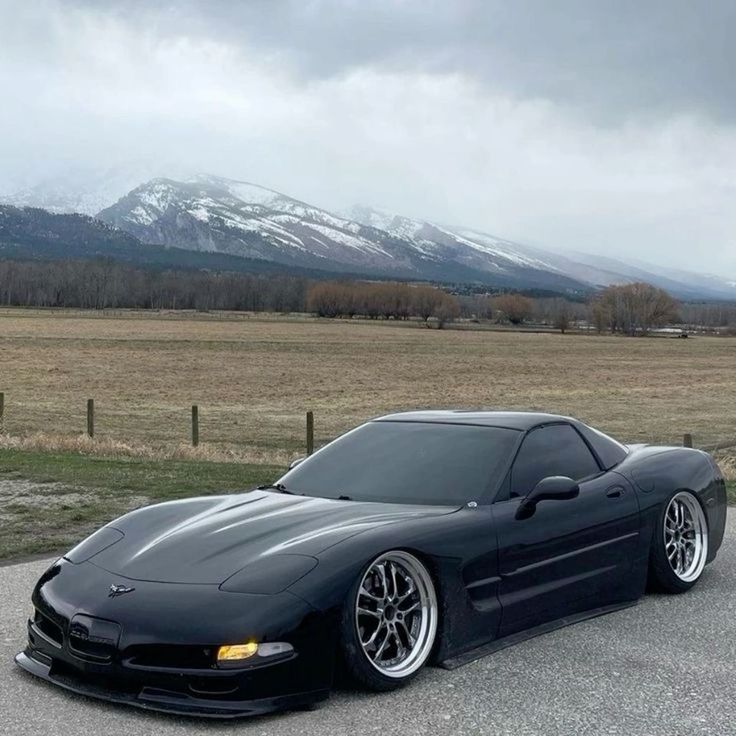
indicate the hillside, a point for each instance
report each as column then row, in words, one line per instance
column 208, row 221
column 30, row 233
column 220, row 215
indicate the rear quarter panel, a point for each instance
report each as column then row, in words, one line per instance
column 658, row 472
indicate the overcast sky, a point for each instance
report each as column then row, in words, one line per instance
column 605, row 126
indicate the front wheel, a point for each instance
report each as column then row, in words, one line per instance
column 389, row 621
column 680, row 544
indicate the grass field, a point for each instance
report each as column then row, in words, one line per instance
column 49, row 501
column 253, row 379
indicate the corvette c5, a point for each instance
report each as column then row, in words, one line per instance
column 420, row 537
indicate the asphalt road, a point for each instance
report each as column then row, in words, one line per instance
column 666, row 666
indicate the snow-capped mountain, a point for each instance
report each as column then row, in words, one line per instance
column 211, row 213
column 83, row 190
column 596, row 271
column 472, row 247
column 215, row 215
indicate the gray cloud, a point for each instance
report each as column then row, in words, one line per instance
column 612, row 59
column 597, row 126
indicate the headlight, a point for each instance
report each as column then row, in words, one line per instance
column 270, row 575
column 252, row 653
column 101, row 539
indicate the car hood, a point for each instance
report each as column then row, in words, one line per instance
column 206, row 540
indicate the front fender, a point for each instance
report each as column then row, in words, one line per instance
column 458, row 549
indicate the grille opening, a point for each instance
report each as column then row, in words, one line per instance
column 91, row 650
column 170, row 656
column 92, row 683
column 48, row 628
column 213, row 688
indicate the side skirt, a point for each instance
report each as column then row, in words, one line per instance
column 508, row 641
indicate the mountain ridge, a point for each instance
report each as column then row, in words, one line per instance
column 241, row 218
column 209, row 214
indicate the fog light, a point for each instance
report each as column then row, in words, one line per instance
column 236, row 652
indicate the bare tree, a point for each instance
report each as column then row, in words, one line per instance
column 634, row 309
column 561, row 315
column 447, row 310
column 514, row 307
column 425, row 301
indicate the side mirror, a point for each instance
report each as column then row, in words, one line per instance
column 554, row 488
column 296, row 462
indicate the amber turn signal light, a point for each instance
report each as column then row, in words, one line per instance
column 235, row 652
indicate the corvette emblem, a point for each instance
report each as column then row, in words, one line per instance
column 116, row 590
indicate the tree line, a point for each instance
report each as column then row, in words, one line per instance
column 382, row 300
column 630, row 309
column 105, row 284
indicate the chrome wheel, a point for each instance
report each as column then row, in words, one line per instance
column 685, row 536
column 396, row 614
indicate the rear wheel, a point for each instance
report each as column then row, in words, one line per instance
column 680, row 544
column 389, row 621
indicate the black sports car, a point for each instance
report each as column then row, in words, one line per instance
column 439, row 535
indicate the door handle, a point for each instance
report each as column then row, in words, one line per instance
column 614, row 493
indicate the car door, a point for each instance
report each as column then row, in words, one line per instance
column 570, row 555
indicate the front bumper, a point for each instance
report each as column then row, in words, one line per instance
column 153, row 649
column 162, row 700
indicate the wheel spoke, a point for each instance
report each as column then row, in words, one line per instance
column 395, row 590
column 400, row 648
column 368, row 594
column 380, row 649
column 384, row 581
column 367, row 612
column 413, row 607
column 408, row 593
column 672, row 513
column 372, row 639
column 409, row 638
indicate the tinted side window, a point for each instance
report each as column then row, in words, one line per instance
column 554, row 450
column 609, row 451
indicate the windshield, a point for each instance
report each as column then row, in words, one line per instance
column 407, row 462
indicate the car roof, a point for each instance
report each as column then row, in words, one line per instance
column 520, row 420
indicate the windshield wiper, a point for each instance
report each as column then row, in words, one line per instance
column 280, row 487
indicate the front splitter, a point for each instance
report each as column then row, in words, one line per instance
column 164, row 701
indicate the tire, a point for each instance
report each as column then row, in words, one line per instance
column 679, row 545
column 389, row 622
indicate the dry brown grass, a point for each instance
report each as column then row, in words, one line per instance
column 81, row 444
column 254, row 378
column 727, row 464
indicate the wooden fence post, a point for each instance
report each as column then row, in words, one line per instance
column 310, row 433
column 2, row 411
column 195, row 425
column 687, row 440
column 90, row 417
